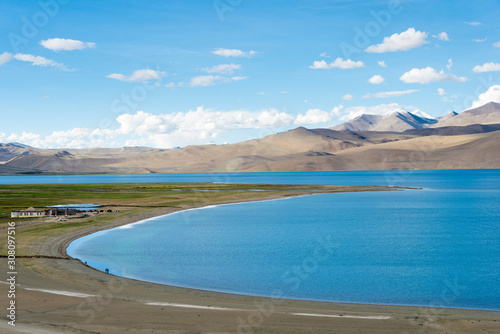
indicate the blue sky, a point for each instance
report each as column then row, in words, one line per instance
column 174, row 73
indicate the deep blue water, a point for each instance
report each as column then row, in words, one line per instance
column 440, row 179
column 439, row 246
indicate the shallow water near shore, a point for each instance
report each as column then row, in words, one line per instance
column 439, row 246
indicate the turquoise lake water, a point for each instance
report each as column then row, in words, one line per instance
column 439, row 246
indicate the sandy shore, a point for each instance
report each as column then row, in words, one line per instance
column 57, row 294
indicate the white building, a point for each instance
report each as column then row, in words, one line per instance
column 29, row 212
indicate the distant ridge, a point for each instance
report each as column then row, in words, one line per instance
column 397, row 140
column 397, row 121
column 486, row 114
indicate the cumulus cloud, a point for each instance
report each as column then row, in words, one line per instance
column 383, row 95
column 376, row 79
column 427, row 75
column 58, row 44
column 497, row 44
column 491, row 95
column 165, row 130
column 382, row 63
column 313, row 116
column 406, row 40
column 347, row 97
column 74, row 138
column 211, row 80
column 380, row 109
column 487, row 67
column 338, row 63
column 40, row 61
column 196, row 126
column 223, row 69
column 317, row 116
column 442, row 36
column 441, row 91
column 138, row 76
column 5, row 58
column 233, row 53
column 193, row 127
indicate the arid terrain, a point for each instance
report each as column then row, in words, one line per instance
column 468, row 140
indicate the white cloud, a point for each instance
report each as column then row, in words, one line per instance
column 58, row 44
column 205, row 80
column 427, row 75
column 261, row 93
column 382, row 63
column 324, row 55
column 474, row 23
column 450, row 64
column 211, row 80
column 406, row 40
column 193, row 127
column 487, row 67
column 491, row 95
column 40, row 61
column 317, row 116
column 497, row 44
column 376, row 79
column 138, row 76
column 223, row 69
column 347, row 97
column 337, row 110
column 5, row 58
column 233, row 53
column 284, row 92
column 164, row 130
column 441, row 91
column 338, row 63
column 74, row 138
column 170, row 84
column 196, row 126
column 313, row 116
column 442, row 36
column 479, row 40
column 354, row 112
column 383, row 95
column 238, row 78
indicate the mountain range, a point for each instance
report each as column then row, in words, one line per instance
column 399, row 140
column 399, row 121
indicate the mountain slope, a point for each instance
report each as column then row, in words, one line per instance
column 396, row 121
column 486, row 114
column 301, row 149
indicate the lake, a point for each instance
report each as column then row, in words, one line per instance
column 439, row 246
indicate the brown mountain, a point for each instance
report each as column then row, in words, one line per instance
column 300, row 149
column 396, row 121
column 486, row 114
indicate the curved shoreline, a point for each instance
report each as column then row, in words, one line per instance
column 234, row 293
column 129, row 303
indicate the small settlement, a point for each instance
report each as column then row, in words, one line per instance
column 52, row 212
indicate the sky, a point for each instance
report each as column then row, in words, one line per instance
column 172, row 73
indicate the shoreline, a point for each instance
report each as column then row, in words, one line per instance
column 243, row 294
column 115, row 304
